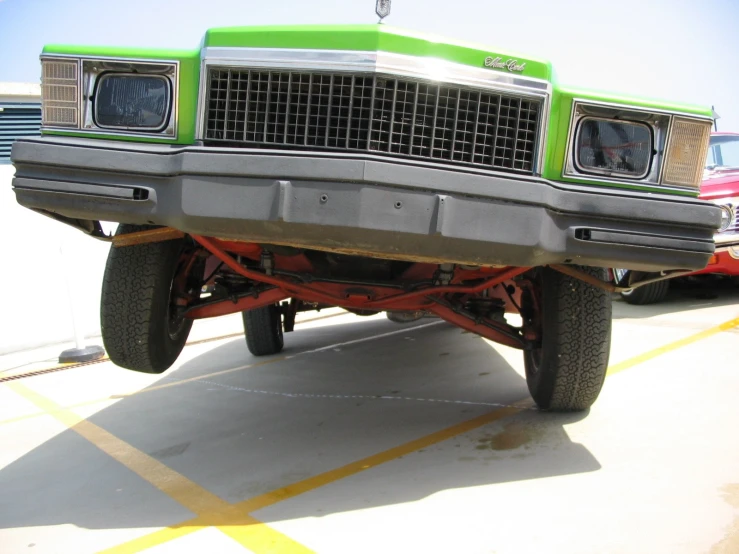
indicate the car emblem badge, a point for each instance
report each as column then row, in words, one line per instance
column 509, row 65
column 382, row 9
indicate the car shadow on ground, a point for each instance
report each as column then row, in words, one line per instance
column 251, row 431
column 683, row 295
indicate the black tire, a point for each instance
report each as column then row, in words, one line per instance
column 138, row 328
column 263, row 329
column 647, row 294
column 566, row 371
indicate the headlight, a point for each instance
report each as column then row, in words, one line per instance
column 686, row 152
column 110, row 96
column 60, row 93
column 632, row 145
column 613, row 147
column 727, row 218
column 128, row 101
column 729, row 215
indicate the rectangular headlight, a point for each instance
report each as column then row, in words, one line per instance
column 132, row 102
column 686, row 152
column 60, row 93
column 613, row 147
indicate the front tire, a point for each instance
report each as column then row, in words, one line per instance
column 566, row 369
column 263, row 329
column 140, row 326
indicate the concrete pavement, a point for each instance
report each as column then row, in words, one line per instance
column 367, row 436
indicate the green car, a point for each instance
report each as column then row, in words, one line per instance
column 280, row 169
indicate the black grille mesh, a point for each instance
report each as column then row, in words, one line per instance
column 379, row 114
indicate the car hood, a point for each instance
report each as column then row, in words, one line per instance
column 720, row 184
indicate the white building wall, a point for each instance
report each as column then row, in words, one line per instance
column 38, row 254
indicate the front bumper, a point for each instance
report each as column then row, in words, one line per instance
column 362, row 206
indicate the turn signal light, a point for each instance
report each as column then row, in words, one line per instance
column 60, row 93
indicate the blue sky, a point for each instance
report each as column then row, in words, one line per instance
column 679, row 50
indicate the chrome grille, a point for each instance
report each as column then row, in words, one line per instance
column 372, row 113
column 734, row 227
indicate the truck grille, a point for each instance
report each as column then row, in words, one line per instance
column 372, row 113
column 734, row 227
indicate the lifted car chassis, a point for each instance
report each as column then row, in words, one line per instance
column 433, row 293
column 452, row 296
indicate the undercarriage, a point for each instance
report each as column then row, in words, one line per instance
column 174, row 278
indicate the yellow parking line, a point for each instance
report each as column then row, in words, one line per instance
column 322, row 479
column 317, row 481
column 331, row 476
column 250, row 533
column 641, row 358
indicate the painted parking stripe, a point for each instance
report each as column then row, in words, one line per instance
column 331, row 476
column 249, row 532
column 315, row 482
column 641, row 358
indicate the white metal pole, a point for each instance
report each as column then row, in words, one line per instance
column 80, row 353
column 74, row 313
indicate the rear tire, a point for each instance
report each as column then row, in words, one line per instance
column 139, row 328
column 566, row 370
column 263, row 329
column 647, row 294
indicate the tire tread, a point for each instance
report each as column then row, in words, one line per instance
column 133, row 320
column 576, row 342
column 260, row 328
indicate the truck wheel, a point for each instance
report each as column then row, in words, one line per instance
column 263, row 329
column 565, row 370
column 140, row 328
column 647, row 294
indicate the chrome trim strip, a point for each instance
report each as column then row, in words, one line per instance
column 86, row 125
column 201, row 103
column 663, row 162
column 543, row 133
column 726, row 239
column 377, row 62
column 635, row 108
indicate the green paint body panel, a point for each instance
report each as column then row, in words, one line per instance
column 372, row 38
column 369, row 38
column 189, row 61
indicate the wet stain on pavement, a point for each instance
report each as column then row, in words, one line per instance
column 514, row 435
column 730, row 543
column 170, row 451
column 731, row 494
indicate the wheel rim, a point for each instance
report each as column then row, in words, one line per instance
column 176, row 322
column 535, row 355
column 531, row 302
column 280, row 337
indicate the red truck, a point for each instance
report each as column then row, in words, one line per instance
column 721, row 186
